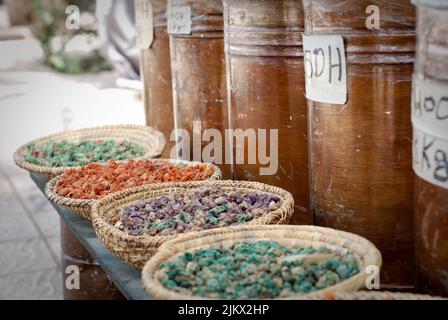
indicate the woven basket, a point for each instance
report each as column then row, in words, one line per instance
column 372, row 295
column 150, row 139
column 298, row 236
column 136, row 250
column 83, row 207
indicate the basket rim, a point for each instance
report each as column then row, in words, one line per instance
column 100, row 222
column 20, row 161
column 52, row 195
column 177, row 246
column 375, row 294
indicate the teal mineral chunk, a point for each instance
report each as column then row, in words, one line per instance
column 244, row 217
column 162, row 225
column 220, row 209
column 251, row 270
column 212, row 220
column 184, row 217
column 188, row 256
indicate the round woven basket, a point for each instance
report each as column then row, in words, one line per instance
column 297, row 236
column 83, row 207
column 150, row 139
column 371, row 295
column 136, row 250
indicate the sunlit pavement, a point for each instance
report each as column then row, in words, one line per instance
column 29, row 239
column 35, row 101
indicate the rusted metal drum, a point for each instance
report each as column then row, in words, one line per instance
column 155, row 68
column 198, row 75
column 430, row 118
column 266, row 91
column 94, row 283
column 361, row 176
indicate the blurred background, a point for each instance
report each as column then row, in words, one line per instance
column 57, row 72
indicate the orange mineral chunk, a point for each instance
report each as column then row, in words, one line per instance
column 95, row 181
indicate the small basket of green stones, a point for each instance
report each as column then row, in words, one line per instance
column 260, row 262
column 52, row 155
column 135, row 222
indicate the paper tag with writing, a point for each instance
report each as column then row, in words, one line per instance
column 179, row 18
column 145, row 23
column 325, row 68
column 430, row 158
column 430, row 107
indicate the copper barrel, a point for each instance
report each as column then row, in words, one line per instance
column 94, row 284
column 155, row 68
column 266, row 91
column 430, row 108
column 361, row 176
column 198, row 74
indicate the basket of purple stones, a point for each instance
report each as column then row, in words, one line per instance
column 135, row 222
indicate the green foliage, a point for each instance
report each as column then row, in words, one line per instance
column 50, row 18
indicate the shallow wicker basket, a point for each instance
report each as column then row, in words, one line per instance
column 298, row 236
column 83, row 207
column 372, row 295
column 150, row 139
column 136, row 250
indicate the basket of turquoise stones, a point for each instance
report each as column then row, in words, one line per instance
column 52, row 155
column 79, row 188
column 134, row 223
column 260, row 262
column 372, row 295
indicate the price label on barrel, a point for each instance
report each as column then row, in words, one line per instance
column 325, row 69
column 430, row 107
column 179, row 18
column 145, row 23
column 430, row 157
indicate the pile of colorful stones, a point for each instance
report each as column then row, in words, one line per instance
column 95, row 181
column 67, row 154
column 255, row 270
column 205, row 208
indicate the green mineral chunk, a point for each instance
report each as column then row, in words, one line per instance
column 212, row 220
column 183, row 217
column 220, row 209
column 67, row 154
column 162, row 225
column 256, row 270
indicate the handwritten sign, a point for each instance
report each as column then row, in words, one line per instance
column 179, row 18
column 430, row 158
column 325, row 69
column 430, row 107
column 145, row 23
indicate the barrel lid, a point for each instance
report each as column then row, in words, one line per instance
column 159, row 6
column 268, row 14
column 334, row 15
column 201, row 7
column 431, row 3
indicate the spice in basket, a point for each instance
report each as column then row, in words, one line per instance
column 96, row 181
column 255, row 270
column 205, row 208
column 67, row 154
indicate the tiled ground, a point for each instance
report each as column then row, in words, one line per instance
column 29, row 239
column 35, row 102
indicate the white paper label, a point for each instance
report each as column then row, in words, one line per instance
column 179, row 18
column 325, row 69
column 430, row 158
column 430, row 107
column 145, row 23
